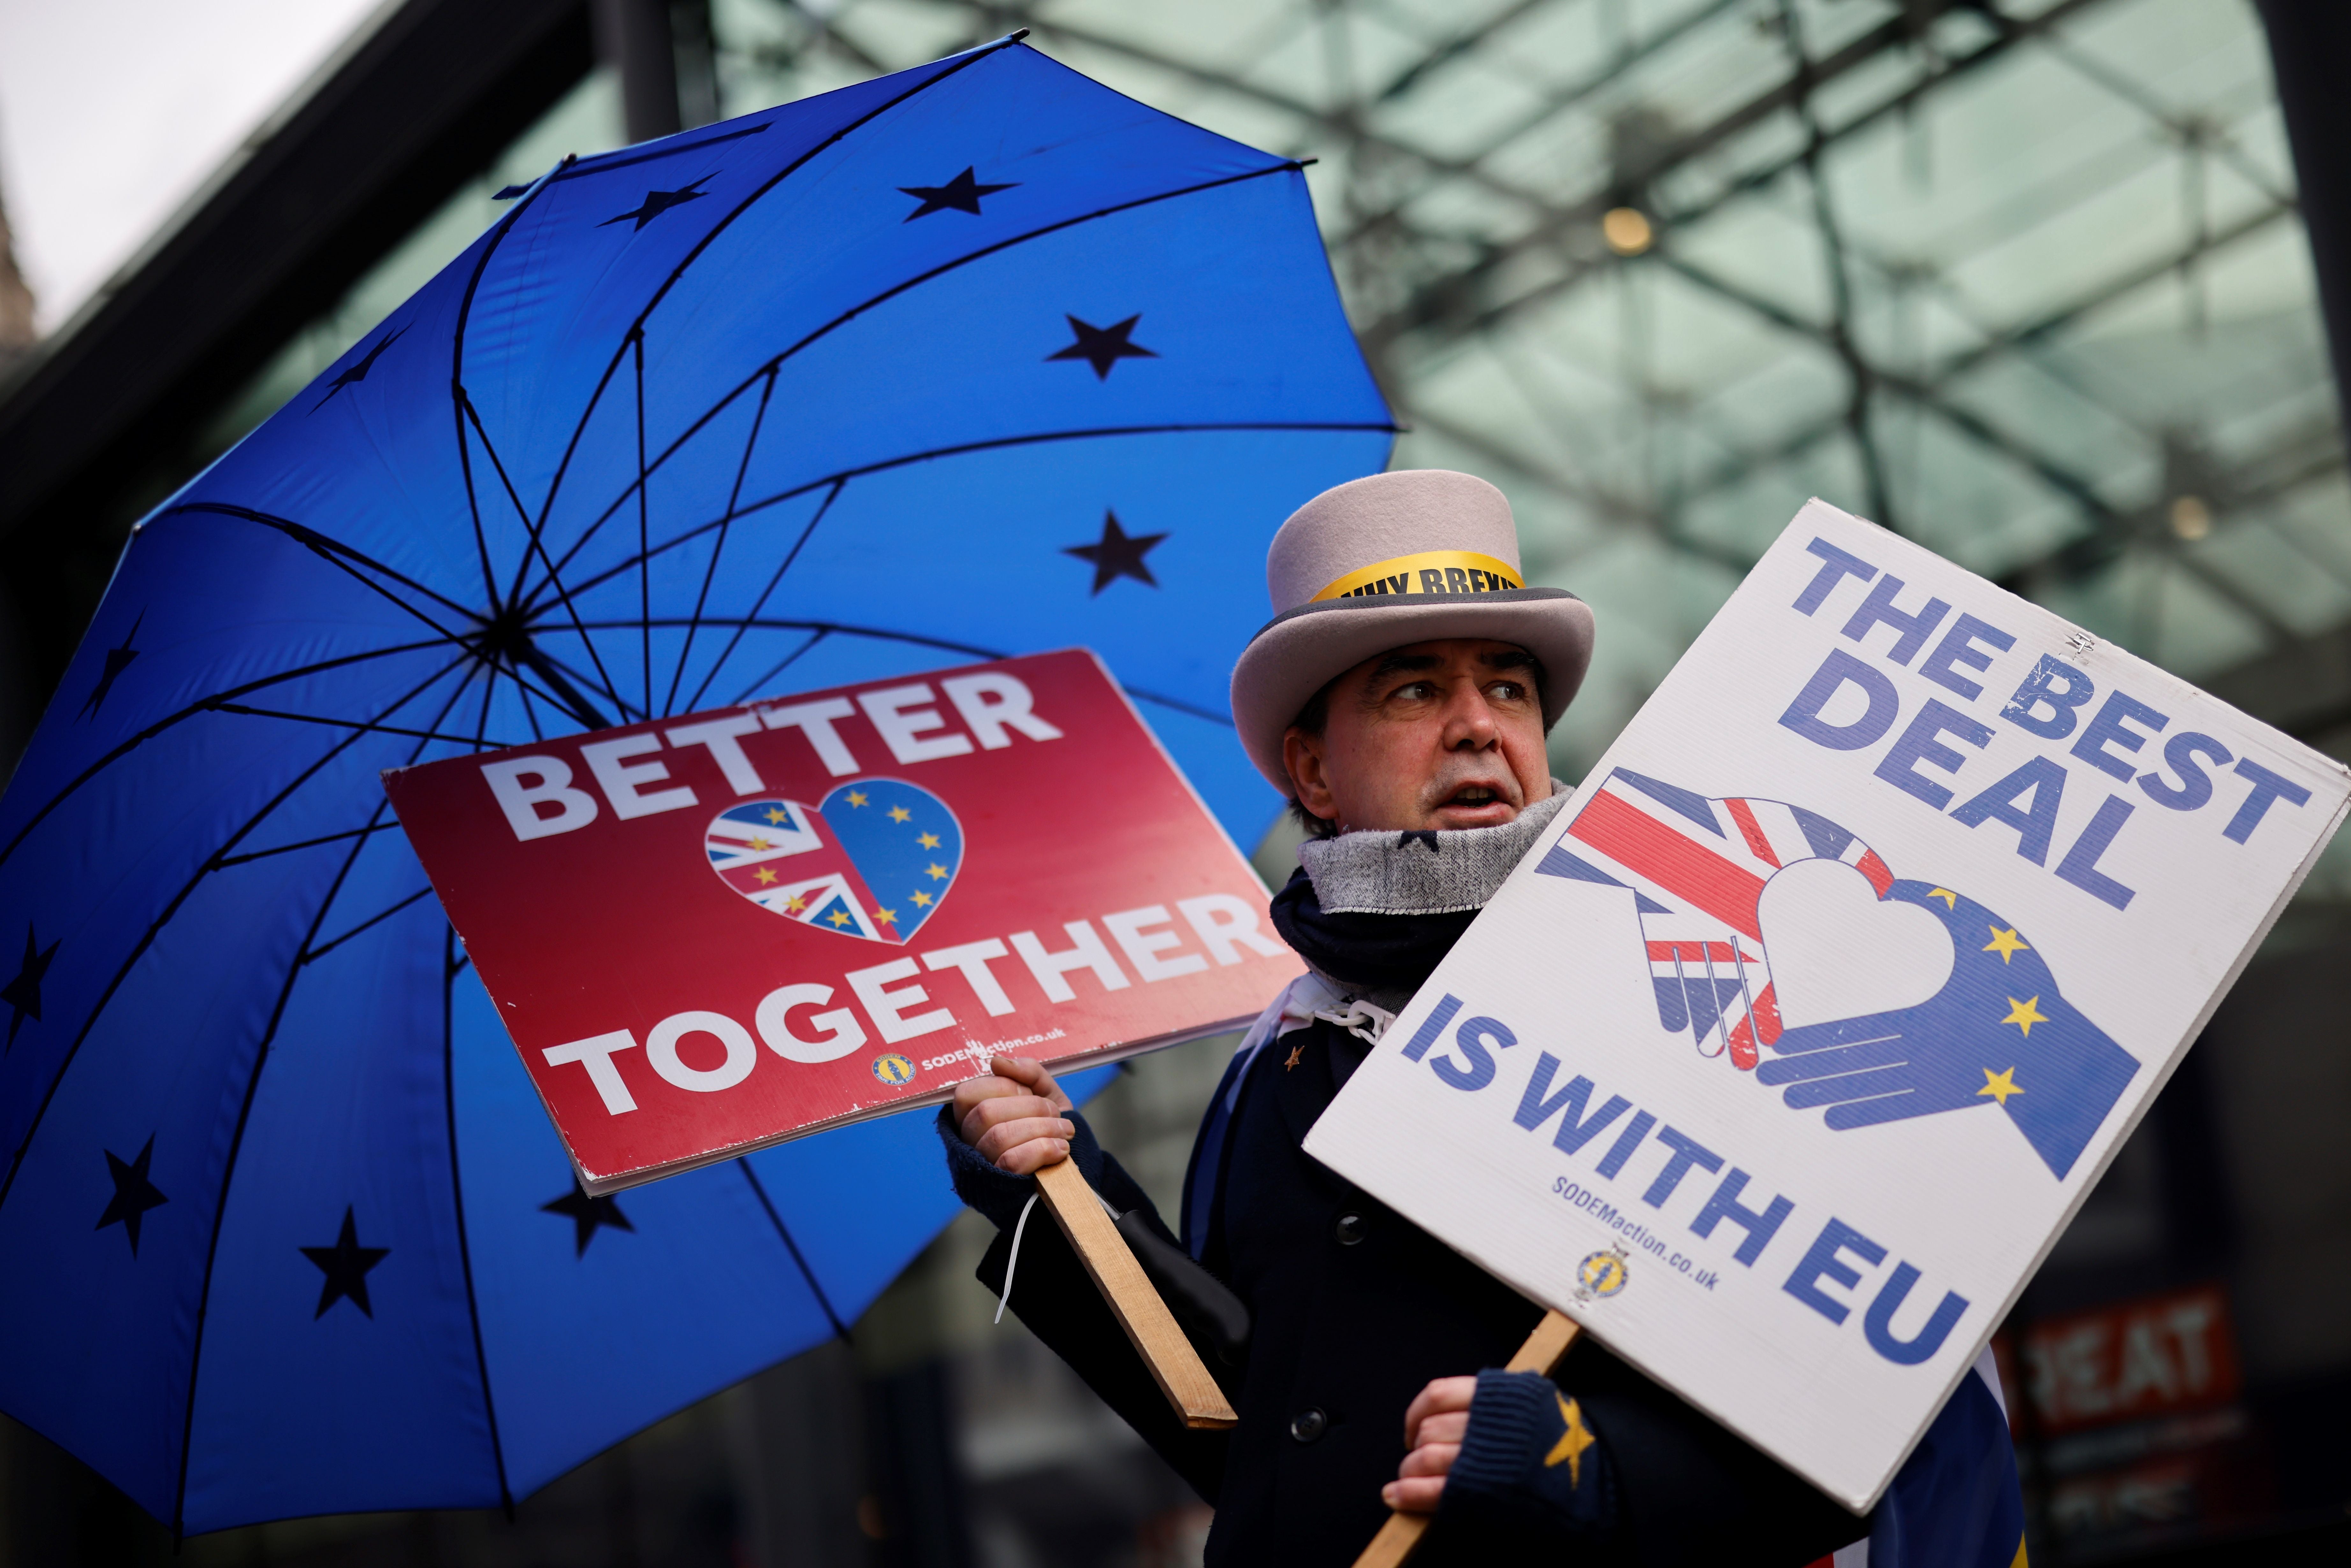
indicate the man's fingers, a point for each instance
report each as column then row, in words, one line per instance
column 1028, row 1158
column 1418, row 1495
column 1003, row 1108
column 1003, row 1138
column 1030, row 1073
column 1449, row 1428
column 1429, row 1459
column 1443, row 1395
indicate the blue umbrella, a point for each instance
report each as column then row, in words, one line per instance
column 976, row 359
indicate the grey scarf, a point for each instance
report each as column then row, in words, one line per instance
column 1388, row 872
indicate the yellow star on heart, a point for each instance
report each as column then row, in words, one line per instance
column 937, row 872
column 838, row 918
column 1950, row 900
column 857, row 797
column 795, row 903
column 2007, row 944
column 922, row 900
column 2026, row 1014
column 1999, row 1086
column 766, row 875
column 760, row 843
column 900, row 814
column 775, row 815
column 1572, row 1442
column 929, row 841
column 887, row 916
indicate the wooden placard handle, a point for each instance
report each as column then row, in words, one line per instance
column 1173, row 1363
column 1542, row 1353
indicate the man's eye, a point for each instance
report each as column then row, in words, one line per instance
column 1414, row 691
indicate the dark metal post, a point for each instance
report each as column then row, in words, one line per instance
column 632, row 36
column 2310, row 48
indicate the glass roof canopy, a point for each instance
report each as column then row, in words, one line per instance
column 2022, row 279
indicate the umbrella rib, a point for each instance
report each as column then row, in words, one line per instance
column 452, row 966
column 205, row 705
column 786, row 662
column 1180, row 706
column 759, row 1190
column 458, row 393
column 357, row 723
column 891, row 293
column 644, row 524
column 330, row 551
column 637, row 327
column 619, row 702
column 312, row 955
column 211, row 864
column 1032, row 438
column 245, row 1108
column 710, row 572
column 823, row 509
column 227, row 860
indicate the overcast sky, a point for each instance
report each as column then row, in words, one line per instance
column 113, row 112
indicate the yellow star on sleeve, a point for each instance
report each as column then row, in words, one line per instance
column 1572, row 1442
column 886, row 917
column 939, row 872
column 1999, row 1086
column 766, row 875
column 776, row 814
column 929, row 841
column 900, row 814
column 1950, row 900
column 2026, row 1014
column 838, row 917
column 760, row 843
column 795, row 903
column 857, row 797
column 922, row 900
column 2007, row 944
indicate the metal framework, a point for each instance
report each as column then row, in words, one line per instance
column 1463, row 255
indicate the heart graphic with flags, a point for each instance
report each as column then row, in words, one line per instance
column 874, row 859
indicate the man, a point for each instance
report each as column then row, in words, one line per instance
column 1400, row 697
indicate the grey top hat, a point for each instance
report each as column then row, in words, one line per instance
column 1376, row 563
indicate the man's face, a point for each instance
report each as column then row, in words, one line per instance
column 1433, row 734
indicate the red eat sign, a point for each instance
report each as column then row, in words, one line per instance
column 711, row 933
column 2146, row 1357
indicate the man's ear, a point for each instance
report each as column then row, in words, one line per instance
column 1302, row 759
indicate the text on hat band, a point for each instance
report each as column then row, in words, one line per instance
column 1430, row 571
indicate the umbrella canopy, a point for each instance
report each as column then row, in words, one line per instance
column 974, row 360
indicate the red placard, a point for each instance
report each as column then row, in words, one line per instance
column 715, row 932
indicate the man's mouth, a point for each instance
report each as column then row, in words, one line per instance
column 1472, row 795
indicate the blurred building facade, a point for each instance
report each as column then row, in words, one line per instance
column 2031, row 281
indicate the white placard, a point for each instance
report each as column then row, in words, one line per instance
column 1785, row 1056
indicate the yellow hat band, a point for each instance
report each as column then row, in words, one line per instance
column 1431, row 571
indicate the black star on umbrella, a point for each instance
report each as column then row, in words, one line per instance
column 346, row 1265
column 117, row 661
column 23, row 994
column 134, row 1195
column 358, row 372
column 587, row 1215
column 1118, row 554
column 656, row 203
column 961, row 192
column 1102, row 346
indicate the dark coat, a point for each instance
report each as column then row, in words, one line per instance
column 1354, row 1311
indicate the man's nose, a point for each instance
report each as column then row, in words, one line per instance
column 1469, row 720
